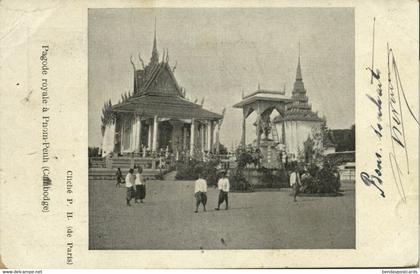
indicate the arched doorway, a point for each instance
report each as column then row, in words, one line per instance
column 165, row 135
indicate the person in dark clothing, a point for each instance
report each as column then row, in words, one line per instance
column 120, row 178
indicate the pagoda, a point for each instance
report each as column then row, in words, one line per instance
column 156, row 115
column 297, row 122
column 289, row 130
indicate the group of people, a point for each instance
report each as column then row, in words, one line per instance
column 136, row 188
column 200, row 192
column 135, row 184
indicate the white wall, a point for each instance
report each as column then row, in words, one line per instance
column 296, row 133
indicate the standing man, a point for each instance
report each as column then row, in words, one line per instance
column 129, row 184
column 223, row 185
column 200, row 192
column 140, row 187
column 295, row 182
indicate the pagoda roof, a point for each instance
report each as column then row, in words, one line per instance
column 156, row 70
column 263, row 95
column 165, row 106
column 302, row 113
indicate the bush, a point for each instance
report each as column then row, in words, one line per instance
column 190, row 170
column 248, row 156
column 321, row 180
column 273, row 177
column 238, row 181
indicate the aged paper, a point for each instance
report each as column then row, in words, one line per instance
column 62, row 61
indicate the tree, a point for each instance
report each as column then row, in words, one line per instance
column 222, row 149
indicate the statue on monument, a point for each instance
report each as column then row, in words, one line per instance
column 265, row 127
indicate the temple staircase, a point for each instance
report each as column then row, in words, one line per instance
column 105, row 168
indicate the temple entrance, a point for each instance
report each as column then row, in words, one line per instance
column 165, row 135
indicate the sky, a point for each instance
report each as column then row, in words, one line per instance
column 219, row 52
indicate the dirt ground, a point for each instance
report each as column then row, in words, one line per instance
column 258, row 220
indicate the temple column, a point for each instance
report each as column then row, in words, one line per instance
column 210, row 136
column 122, row 135
column 184, row 138
column 149, row 137
column 192, row 137
column 243, row 131
column 283, row 133
column 258, row 130
column 217, row 138
column 155, row 131
column 132, row 134
column 203, row 137
column 138, row 134
column 117, row 135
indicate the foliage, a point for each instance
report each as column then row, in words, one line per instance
column 342, row 157
column 93, row 152
column 313, row 147
column 344, row 139
column 107, row 116
column 190, row 169
column 248, row 156
column 272, row 177
column 238, row 181
column 222, row 149
column 321, row 180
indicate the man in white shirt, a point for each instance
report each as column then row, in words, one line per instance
column 139, row 186
column 200, row 192
column 295, row 182
column 223, row 185
column 129, row 184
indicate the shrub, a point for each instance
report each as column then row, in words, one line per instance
column 238, row 181
column 190, row 169
column 321, row 180
column 273, row 177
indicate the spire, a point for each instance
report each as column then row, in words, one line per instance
column 155, row 54
column 298, row 71
column 299, row 91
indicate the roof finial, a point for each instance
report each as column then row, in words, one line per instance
column 132, row 63
column 298, row 71
column 155, row 54
column 259, row 86
column 141, row 60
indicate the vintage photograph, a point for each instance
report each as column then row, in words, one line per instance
column 221, row 128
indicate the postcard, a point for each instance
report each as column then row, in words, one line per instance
column 209, row 134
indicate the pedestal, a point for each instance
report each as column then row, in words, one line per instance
column 270, row 154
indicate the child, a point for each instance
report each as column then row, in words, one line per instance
column 120, row 178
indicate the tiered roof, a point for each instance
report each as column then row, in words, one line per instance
column 263, row 95
column 299, row 109
column 156, row 92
